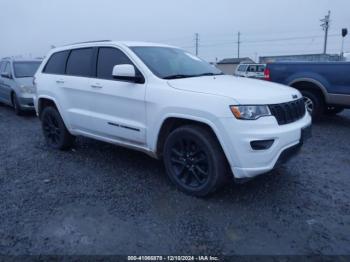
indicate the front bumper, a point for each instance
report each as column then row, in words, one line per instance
column 246, row 162
column 26, row 103
column 289, row 153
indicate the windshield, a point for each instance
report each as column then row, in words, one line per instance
column 172, row 63
column 25, row 69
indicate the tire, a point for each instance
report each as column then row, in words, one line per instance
column 333, row 110
column 194, row 160
column 16, row 105
column 314, row 103
column 54, row 129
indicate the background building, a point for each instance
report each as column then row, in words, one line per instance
column 300, row 58
column 229, row 65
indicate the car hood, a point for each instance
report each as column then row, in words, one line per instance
column 26, row 81
column 243, row 90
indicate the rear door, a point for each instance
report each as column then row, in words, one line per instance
column 76, row 92
column 119, row 110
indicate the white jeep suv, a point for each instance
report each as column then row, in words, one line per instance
column 171, row 105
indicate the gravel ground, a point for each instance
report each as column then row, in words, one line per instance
column 102, row 199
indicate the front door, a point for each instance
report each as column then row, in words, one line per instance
column 118, row 107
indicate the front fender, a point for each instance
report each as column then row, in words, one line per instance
column 209, row 121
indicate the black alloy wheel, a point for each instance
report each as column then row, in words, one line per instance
column 16, row 105
column 194, row 160
column 55, row 132
column 189, row 162
column 51, row 129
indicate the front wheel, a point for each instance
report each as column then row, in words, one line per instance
column 194, row 160
column 54, row 129
column 16, row 105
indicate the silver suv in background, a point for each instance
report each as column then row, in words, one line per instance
column 251, row 70
column 16, row 83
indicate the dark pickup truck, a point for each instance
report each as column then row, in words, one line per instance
column 325, row 86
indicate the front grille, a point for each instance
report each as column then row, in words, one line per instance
column 290, row 112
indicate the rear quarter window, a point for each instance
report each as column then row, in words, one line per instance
column 57, row 63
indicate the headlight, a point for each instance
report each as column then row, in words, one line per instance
column 27, row 89
column 250, row 112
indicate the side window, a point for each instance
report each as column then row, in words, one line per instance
column 57, row 63
column 80, row 62
column 244, row 68
column 252, row 68
column 7, row 68
column 108, row 57
column 261, row 69
column 2, row 66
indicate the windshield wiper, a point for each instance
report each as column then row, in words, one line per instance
column 178, row 76
column 210, row 74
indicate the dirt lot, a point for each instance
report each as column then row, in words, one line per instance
column 101, row 199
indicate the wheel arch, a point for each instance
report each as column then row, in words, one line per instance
column 45, row 101
column 311, row 85
column 13, row 92
column 170, row 123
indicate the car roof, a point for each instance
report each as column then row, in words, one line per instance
column 109, row 42
column 10, row 59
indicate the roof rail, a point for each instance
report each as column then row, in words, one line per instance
column 87, row 42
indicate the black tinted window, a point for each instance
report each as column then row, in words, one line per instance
column 107, row 58
column 79, row 62
column 57, row 63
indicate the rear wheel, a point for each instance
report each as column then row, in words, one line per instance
column 194, row 160
column 54, row 129
column 314, row 103
column 333, row 110
column 16, row 105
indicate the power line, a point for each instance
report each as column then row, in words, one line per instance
column 262, row 41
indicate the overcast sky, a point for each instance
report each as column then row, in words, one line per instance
column 268, row 27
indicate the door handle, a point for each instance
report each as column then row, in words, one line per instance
column 60, row 82
column 96, row 86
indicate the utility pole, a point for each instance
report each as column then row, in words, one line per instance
column 326, row 21
column 197, row 43
column 238, row 44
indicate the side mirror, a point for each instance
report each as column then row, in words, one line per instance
column 126, row 73
column 6, row 75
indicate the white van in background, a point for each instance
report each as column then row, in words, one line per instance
column 250, row 70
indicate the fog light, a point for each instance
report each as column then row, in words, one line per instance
column 261, row 144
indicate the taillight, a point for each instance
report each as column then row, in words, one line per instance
column 267, row 75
